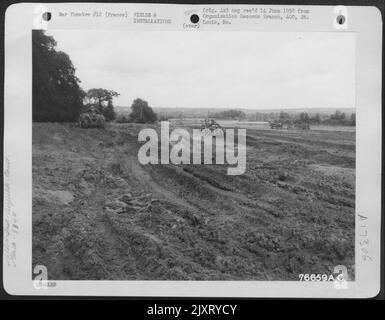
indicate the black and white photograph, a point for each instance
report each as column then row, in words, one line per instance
column 99, row 213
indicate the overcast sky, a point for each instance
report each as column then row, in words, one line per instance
column 216, row 69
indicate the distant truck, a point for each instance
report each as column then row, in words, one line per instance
column 277, row 124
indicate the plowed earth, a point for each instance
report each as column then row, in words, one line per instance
column 99, row 214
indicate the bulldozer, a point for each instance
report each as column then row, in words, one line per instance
column 276, row 124
column 210, row 127
column 91, row 119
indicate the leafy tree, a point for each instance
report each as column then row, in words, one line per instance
column 353, row 119
column 164, row 117
column 56, row 94
column 141, row 112
column 315, row 119
column 284, row 115
column 229, row 115
column 101, row 99
column 304, row 117
column 338, row 115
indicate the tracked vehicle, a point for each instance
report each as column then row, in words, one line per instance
column 210, row 127
column 276, row 124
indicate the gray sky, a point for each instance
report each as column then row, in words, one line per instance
column 216, row 69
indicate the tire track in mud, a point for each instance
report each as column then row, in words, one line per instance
column 213, row 226
column 116, row 234
column 241, row 222
column 226, row 221
column 240, row 202
column 146, row 179
column 116, row 251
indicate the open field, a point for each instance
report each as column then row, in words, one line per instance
column 255, row 125
column 99, row 214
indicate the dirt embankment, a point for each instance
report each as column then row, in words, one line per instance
column 99, row 214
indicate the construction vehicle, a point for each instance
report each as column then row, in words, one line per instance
column 211, row 127
column 91, row 119
column 275, row 124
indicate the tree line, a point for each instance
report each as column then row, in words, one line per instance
column 337, row 118
column 231, row 114
column 56, row 92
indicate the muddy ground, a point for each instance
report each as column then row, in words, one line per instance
column 99, row 214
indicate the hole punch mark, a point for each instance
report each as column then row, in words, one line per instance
column 341, row 19
column 47, row 16
column 194, row 18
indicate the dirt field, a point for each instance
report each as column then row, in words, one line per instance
column 99, row 214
